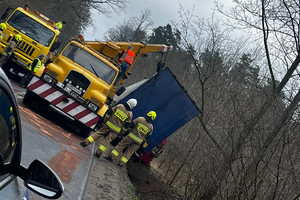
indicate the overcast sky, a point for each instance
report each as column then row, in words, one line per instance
column 162, row 12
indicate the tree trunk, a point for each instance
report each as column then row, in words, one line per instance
column 212, row 190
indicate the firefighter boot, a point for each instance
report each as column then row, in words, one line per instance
column 109, row 158
column 98, row 153
column 87, row 141
column 121, row 164
column 84, row 143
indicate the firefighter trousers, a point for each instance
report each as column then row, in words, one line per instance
column 105, row 135
column 130, row 144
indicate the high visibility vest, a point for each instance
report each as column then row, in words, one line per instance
column 1, row 35
column 59, row 25
column 37, row 66
column 129, row 56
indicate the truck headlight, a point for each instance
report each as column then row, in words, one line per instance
column 48, row 78
column 67, row 89
column 92, row 107
column 59, row 84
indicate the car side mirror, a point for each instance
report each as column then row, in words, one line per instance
column 55, row 46
column 42, row 180
column 3, row 17
column 120, row 91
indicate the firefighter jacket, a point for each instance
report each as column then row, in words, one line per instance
column 129, row 56
column 119, row 116
column 8, row 50
column 141, row 130
column 35, row 65
column 1, row 35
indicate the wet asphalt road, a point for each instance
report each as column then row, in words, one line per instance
column 44, row 138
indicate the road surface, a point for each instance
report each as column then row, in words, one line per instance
column 60, row 149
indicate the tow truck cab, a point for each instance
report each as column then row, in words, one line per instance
column 39, row 35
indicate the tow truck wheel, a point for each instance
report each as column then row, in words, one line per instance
column 28, row 97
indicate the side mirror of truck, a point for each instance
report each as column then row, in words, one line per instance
column 55, row 46
column 120, row 91
column 4, row 15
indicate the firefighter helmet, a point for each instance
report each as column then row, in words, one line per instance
column 132, row 103
column 18, row 37
column 2, row 26
column 152, row 115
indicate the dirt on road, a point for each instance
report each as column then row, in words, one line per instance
column 136, row 181
column 108, row 181
column 148, row 185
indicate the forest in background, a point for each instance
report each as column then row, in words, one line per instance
column 245, row 142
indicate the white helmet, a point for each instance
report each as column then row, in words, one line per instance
column 132, row 103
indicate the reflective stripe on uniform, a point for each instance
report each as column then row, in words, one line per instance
column 115, row 153
column 113, row 127
column 90, row 139
column 102, row 148
column 121, row 115
column 137, row 139
column 124, row 160
column 144, row 129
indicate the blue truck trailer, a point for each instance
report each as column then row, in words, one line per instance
column 163, row 94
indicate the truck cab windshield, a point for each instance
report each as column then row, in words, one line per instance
column 90, row 63
column 31, row 28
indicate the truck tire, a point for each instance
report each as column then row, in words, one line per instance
column 28, row 97
column 84, row 131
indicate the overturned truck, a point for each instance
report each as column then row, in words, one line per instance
column 174, row 107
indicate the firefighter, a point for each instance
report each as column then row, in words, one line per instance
column 140, row 132
column 33, row 68
column 126, row 60
column 116, row 122
column 59, row 25
column 2, row 28
column 9, row 49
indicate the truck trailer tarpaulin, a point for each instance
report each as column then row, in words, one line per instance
column 163, row 94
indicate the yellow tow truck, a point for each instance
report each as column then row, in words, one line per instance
column 39, row 35
column 80, row 83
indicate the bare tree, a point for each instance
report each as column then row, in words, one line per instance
column 251, row 115
column 284, row 25
column 132, row 29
